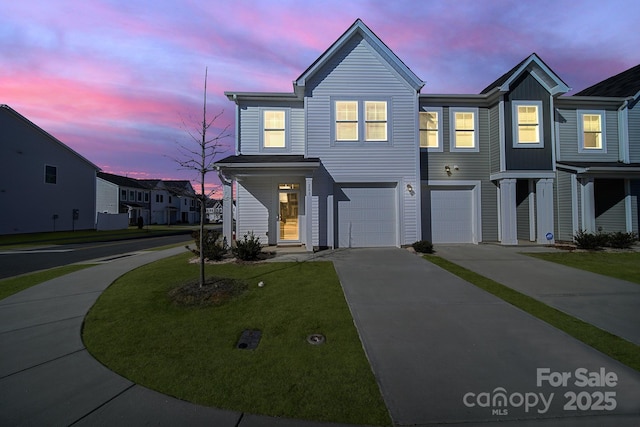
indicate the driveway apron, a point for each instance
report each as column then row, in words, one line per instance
column 443, row 350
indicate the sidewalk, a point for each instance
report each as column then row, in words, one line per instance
column 608, row 303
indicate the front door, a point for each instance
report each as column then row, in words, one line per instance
column 289, row 229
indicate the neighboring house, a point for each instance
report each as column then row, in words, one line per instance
column 214, row 210
column 44, row 184
column 120, row 194
column 356, row 156
column 172, row 201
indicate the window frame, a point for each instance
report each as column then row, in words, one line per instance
column 368, row 121
column 336, row 121
column 286, row 130
column 452, row 130
column 47, row 175
column 361, row 123
column 603, row 135
column 439, row 112
column 516, row 124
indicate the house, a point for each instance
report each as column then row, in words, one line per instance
column 183, row 198
column 123, row 195
column 357, row 156
column 214, row 210
column 44, row 184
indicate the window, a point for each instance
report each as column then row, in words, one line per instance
column 146, row 197
column 159, row 198
column 527, row 124
column 139, row 196
column 132, row 195
column 375, row 121
column 464, row 135
column 346, row 120
column 274, row 129
column 591, row 132
column 430, row 136
column 50, row 174
column 123, row 194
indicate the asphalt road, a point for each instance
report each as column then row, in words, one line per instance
column 13, row 263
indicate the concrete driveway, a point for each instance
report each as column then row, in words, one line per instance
column 444, row 351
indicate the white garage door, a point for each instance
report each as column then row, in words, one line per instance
column 452, row 215
column 366, row 215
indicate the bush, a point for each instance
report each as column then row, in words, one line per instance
column 590, row 241
column 215, row 246
column 249, row 248
column 622, row 240
column 423, row 246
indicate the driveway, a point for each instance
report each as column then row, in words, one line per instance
column 444, row 351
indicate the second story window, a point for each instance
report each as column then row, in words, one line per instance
column 346, row 120
column 274, row 129
column 430, row 136
column 123, row 195
column 50, row 174
column 375, row 120
column 527, row 124
column 591, row 132
column 464, row 129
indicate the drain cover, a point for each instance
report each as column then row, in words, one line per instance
column 249, row 339
column 316, row 339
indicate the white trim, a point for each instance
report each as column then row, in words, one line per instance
column 515, row 124
column 438, row 110
column 628, row 206
column 476, row 195
column 501, row 127
column 287, row 130
column 603, row 135
column 522, row 174
column 499, row 214
column 623, row 133
column 532, row 210
column 452, row 129
column 574, row 203
column 552, row 115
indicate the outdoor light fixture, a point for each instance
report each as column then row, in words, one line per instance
column 447, row 169
column 410, row 189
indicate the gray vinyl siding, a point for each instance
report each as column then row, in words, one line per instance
column 564, row 226
column 489, row 211
column 494, row 138
column 251, row 129
column 252, row 212
column 357, row 72
column 635, row 205
column 569, row 139
column 528, row 89
column 634, row 134
column 610, row 205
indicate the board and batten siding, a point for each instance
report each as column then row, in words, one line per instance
column 634, row 134
column 358, row 72
column 251, row 127
column 568, row 138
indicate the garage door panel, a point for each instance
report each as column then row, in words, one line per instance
column 367, row 216
column 452, row 215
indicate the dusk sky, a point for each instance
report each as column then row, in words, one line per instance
column 114, row 79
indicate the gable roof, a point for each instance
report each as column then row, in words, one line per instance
column 5, row 107
column 121, row 181
column 538, row 69
column 359, row 28
column 626, row 83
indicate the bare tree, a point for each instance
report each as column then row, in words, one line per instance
column 200, row 158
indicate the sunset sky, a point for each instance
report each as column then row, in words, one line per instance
column 115, row 79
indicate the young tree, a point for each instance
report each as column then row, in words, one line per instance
column 200, row 156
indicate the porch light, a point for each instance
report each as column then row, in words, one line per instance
column 410, row 189
column 447, row 169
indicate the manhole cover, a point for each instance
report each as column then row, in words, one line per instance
column 316, row 339
column 249, row 339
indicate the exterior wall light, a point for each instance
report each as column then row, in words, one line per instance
column 410, row 189
column 447, row 169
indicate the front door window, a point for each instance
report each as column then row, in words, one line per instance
column 288, row 220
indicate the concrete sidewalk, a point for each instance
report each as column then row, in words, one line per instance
column 445, row 351
column 608, row 303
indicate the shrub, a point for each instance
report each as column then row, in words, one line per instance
column 622, row 240
column 423, row 246
column 590, row 241
column 249, row 248
column 215, row 246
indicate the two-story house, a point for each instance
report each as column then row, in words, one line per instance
column 356, row 156
column 118, row 194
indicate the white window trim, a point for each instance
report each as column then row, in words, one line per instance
column 438, row 110
column 287, row 130
column 452, row 130
column 515, row 127
column 603, row 126
column 361, row 123
column 385, row 121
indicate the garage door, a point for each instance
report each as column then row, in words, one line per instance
column 366, row 215
column 452, row 215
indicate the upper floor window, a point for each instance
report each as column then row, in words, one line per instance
column 274, row 129
column 146, row 197
column 430, row 125
column 346, row 120
column 123, row 194
column 527, row 124
column 356, row 118
column 464, row 129
column 50, row 174
column 375, row 120
column 591, row 134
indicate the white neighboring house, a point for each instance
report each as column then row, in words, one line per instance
column 120, row 194
column 44, row 184
column 172, row 201
column 214, row 210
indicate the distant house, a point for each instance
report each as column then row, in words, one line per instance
column 44, row 184
column 120, row 194
column 214, row 210
column 172, row 201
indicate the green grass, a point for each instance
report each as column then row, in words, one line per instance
column 621, row 265
column 607, row 343
column 14, row 285
column 190, row 353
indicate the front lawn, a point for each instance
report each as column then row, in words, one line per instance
column 622, row 265
column 191, row 353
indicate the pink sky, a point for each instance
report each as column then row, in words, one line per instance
column 114, row 79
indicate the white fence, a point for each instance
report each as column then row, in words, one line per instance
column 107, row 221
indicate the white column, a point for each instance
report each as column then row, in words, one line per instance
column 308, row 213
column 544, row 210
column 588, row 206
column 628, row 206
column 227, row 211
column 508, row 218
